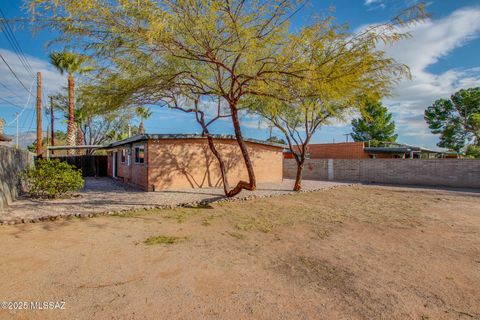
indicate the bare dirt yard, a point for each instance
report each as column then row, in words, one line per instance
column 353, row 252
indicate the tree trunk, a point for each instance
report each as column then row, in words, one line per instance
column 221, row 163
column 71, row 117
column 52, row 118
column 251, row 185
column 141, row 128
column 79, row 140
column 298, row 179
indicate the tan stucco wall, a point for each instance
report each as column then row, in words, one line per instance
column 189, row 163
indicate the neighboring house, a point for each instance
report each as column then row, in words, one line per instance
column 3, row 138
column 171, row 161
column 362, row 150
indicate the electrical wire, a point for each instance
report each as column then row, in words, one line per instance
column 13, row 92
column 11, row 103
column 26, row 104
column 15, row 45
column 14, row 74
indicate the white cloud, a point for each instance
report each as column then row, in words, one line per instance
column 431, row 41
column 369, row 2
column 52, row 81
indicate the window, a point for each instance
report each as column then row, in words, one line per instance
column 123, row 155
column 139, row 154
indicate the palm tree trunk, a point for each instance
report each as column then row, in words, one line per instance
column 71, row 117
column 141, row 128
column 79, row 139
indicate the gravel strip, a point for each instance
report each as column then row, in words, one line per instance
column 107, row 196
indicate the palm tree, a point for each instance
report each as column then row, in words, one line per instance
column 143, row 113
column 70, row 63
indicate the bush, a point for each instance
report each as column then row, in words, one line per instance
column 473, row 152
column 51, row 178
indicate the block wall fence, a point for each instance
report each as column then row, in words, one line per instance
column 462, row 173
column 12, row 162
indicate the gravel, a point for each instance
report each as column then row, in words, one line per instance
column 107, row 196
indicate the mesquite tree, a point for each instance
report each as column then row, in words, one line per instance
column 232, row 49
column 343, row 70
column 227, row 49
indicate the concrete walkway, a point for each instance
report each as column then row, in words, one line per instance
column 105, row 195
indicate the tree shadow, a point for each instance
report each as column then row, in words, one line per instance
column 174, row 164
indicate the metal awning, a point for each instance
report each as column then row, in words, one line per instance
column 86, row 146
column 376, row 150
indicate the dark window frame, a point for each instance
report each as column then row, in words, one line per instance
column 123, row 155
column 136, row 154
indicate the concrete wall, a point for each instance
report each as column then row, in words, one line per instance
column 189, row 163
column 12, row 162
column 463, row 173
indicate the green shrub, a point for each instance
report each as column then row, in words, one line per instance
column 51, row 178
column 473, row 152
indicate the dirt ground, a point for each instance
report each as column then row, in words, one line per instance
column 104, row 195
column 354, row 252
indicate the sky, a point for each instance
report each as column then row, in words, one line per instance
column 442, row 54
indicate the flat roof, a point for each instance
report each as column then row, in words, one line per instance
column 144, row 137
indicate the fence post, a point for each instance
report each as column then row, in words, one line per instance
column 330, row 169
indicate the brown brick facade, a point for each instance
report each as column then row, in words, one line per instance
column 189, row 163
column 346, row 150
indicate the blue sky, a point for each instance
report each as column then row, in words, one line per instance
column 442, row 54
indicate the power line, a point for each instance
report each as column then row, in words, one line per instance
column 26, row 104
column 14, row 74
column 15, row 45
column 11, row 103
column 31, row 121
column 13, row 92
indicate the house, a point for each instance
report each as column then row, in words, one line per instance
column 155, row 162
column 365, row 150
column 3, row 137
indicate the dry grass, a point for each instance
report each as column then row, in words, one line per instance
column 163, row 240
column 347, row 253
column 316, row 209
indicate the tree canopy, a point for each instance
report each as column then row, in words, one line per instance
column 375, row 125
column 235, row 51
column 457, row 119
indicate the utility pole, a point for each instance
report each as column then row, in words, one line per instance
column 52, row 120
column 346, row 136
column 16, row 137
column 39, row 114
column 48, row 136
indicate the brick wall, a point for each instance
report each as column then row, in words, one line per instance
column 346, row 150
column 435, row 172
column 12, row 162
column 129, row 171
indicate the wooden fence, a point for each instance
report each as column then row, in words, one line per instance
column 91, row 165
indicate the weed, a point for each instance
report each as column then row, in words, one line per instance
column 236, row 235
column 164, row 240
column 208, row 220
